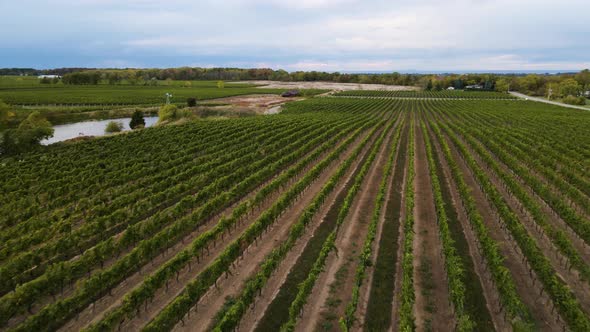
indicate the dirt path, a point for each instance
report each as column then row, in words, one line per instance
column 490, row 291
column 432, row 308
column 365, row 290
column 214, row 299
column 398, row 266
column 95, row 312
column 539, row 305
column 332, row 293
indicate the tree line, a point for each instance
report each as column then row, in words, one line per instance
column 549, row 85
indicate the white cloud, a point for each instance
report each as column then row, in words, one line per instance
column 337, row 34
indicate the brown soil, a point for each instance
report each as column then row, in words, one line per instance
column 212, row 302
column 432, row 307
column 401, row 193
column 539, row 305
column 365, row 290
column 490, row 291
column 332, row 293
column 260, row 104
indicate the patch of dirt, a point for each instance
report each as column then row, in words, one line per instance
column 432, row 308
column 260, row 104
column 335, row 86
column 273, row 110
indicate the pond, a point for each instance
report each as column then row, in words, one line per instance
column 90, row 128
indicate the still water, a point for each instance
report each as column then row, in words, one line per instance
column 90, row 128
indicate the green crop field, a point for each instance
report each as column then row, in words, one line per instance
column 463, row 211
column 120, row 94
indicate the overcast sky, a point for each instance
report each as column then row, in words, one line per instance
column 327, row 35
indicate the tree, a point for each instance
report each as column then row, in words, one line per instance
column 569, row 87
column 583, row 77
column 429, row 85
column 113, row 127
column 530, row 83
column 27, row 136
column 34, row 129
column 137, row 120
column 191, row 102
column 502, row 85
column 438, row 85
column 220, row 84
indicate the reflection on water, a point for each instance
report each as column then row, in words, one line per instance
column 90, row 128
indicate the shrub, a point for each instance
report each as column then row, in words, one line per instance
column 113, row 127
column 137, row 120
column 572, row 100
column 167, row 113
column 191, row 102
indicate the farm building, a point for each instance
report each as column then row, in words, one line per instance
column 291, row 93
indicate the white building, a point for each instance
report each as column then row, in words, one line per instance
column 48, row 76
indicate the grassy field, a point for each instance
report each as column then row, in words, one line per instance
column 120, row 94
column 360, row 213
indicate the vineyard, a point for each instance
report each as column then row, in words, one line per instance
column 439, row 211
column 453, row 94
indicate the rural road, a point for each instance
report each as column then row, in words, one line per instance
column 542, row 100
